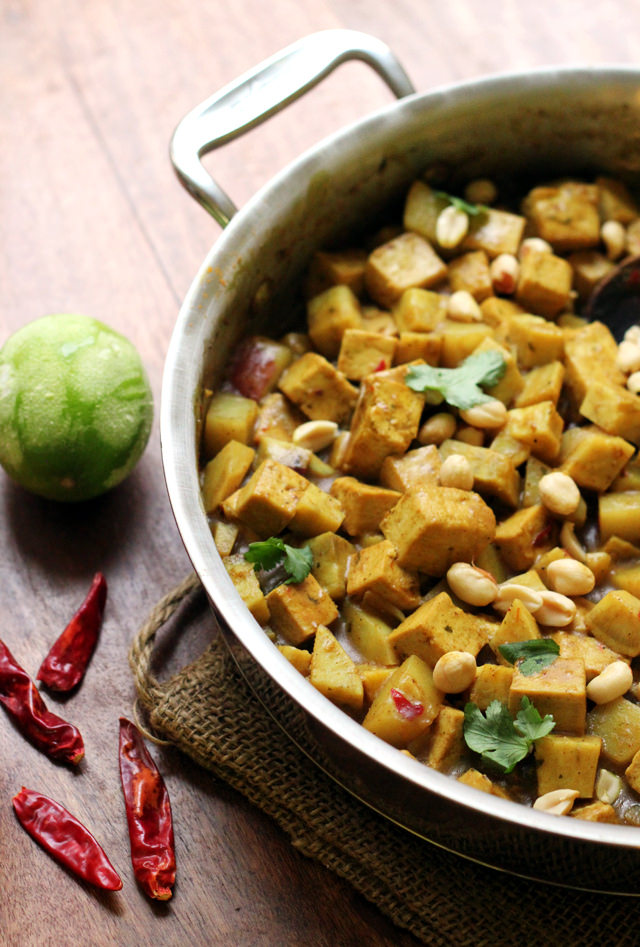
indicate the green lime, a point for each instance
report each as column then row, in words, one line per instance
column 75, row 407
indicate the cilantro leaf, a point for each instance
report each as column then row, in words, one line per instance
column 268, row 553
column 460, row 386
column 498, row 738
column 531, row 656
column 472, row 209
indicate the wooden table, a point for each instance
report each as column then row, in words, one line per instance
column 93, row 220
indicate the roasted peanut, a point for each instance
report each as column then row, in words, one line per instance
column 614, row 681
column 456, row 472
column 614, row 237
column 556, row 610
column 559, row 493
column 451, row 227
column 315, row 435
column 508, row 592
column 437, row 429
column 608, row 786
column 628, row 357
column 489, row 415
column 556, row 802
column 454, row 672
column 570, row 577
column 633, row 382
column 569, row 542
column 504, row 272
column 534, row 243
column 462, row 307
column 472, row 585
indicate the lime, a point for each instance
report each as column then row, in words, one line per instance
column 75, row 407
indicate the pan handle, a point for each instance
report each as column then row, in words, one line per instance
column 262, row 92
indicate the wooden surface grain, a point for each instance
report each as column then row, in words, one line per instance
column 93, row 220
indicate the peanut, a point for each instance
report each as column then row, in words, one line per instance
column 437, row 429
column 608, row 786
column 315, row 435
column 472, row 585
column 556, row 802
column 569, row 542
column 556, row 610
column 633, row 382
column 508, row 592
column 570, row 577
column 456, row 472
column 614, row 237
column 559, row 493
column 489, row 415
column 454, row 672
column 462, row 307
column 451, row 227
column 504, row 272
column 628, row 357
column 614, row 681
column 534, row 243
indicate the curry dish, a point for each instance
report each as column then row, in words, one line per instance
column 430, row 497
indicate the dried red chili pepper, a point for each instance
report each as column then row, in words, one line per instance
column 148, row 815
column 65, row 838
column 65, row 665
column 23, row 701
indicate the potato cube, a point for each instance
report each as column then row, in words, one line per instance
column 225, row 473
column 543, row 383
column 433, row 527
column 316, row 513
column 229, row 417
column 400, row 264
column 369, row 634
column 419, row 467
column 491, row 561
column 496, row 311
column 613, row 408
column 333, row 673
column 244, row 578
column 544, row 283
column 338, row 267
column 567, row 763
column 461, row 339
column 268, row 501
column 566, row 215
column 627, row 578
column 331, row 554
column 594, row 653
column 590, row 353
column 535, row 470
column 539, row 426
column 414, row 346
column 522, row 536
column 373, row 676
column 256, row 366
column 377, row 320
column 632, row 772
column 615, row 621
column 385, row 421
column 471, row 273
column 422, row 209
column 615, row 202
column 589, row 267
column 495, row 232
column 363, row 352
column 406, row 705
column 436, row 627
column 284, row 452
column 224, row 536
column 592, row 457
column 419, row 310
column 535, row 339
column 559, row 689
column 595, row 812
column 329, row 315
column 619, row 515
column 277, row 418
column 518, row 624
column 618, row 724
column 477, row 780
column 300, row 659
column 446, row 739
column 376, row 569
column 493, row 474
column 364, row 505
column 512, row 382
column 318, row 389
column 297, row 611
column 505, row 444
column 492, row 683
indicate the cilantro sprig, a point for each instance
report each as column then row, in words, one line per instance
column 472, row 209
column 460, row 387
column 530, row 656
column 498, row 737
column 269, row 553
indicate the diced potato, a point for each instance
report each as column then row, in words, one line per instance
column 369, row 634
column 594, row 653
column 492, row 562
column 373, row 676
column 297, row 611
column 522, row 536
column 566, row 215
column 470, row 272
column 419, row 310
column 318, row 389
column 512, row 382
column 256, row 366
column 277, row 418
column 300, row 659
column 414, row 346
column 224, row 473
column 406, row 705
column 493, row 474
column 331, row 554
column 376, row 569
column 620, row 549
column 518, row 624
column 539, row 426
column 329, row 315
column 615, row 621
column 416, row 468
column 544, row 283
column 567, row 763
column 589, row 267
column 619, row 515
column 477, row 780
column 559, row 689
column 439, row 626
column 333, row 673
column 364, row 505
column 495, row 232
column 460, row 340
column 400, row 264
column 267, row 502
column 592, row 457
column 536, row 340
column 595, row 812
column 229, row 417
column 627, row 579
column 363, row 352
column 422, row 209
column 590, row 353
column 543, row 383
column 515, row 450
column 244, row 578
column 338, row 267
column 446, row 739
column 496, row 311
column 613, row 408
column 224, row 536
column 615, row 201
column 284, row 452
column 433, row 527
column 632, row 772
column 535, row 470
column 492, row 683
column 618, row 724
column 316, row 512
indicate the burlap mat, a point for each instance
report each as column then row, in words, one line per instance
column 208, row 711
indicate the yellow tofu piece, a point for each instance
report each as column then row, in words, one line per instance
column 592, row 457
column 495, row 232
column 229, row 417
column 300, row 659
column 594, row 653
column 512, row 382
column 363, row 352
column 331, row 554
column 419, row 467
column 615, row 621
column 413, row 346
column 590, row 353
column 539, row 426
column 614, row 201
column 492, row 683
column 376, row 569
column 595, row 812
column 543, row 383
column 518, row 624
column 337, row 267
column 446, row 740
column 364, row 504
column 402, row 263
column 385, row 421
column 589, row 267
column 369, row 634
column 224, row 536
column 316, row 513
column 333, row 673
column 224, row 473
column 471, row 273
column 619, row 515
column 297, row 611
column 434, row 527
column 419, row 310
column 436, row 627
column 566, row 215
column 522, row 536
column 559, row 689
column 318, row 389
column 494, row 474
column 613, row 408
column 329, row 315
column 544, row 283
column 461, row 339
column 618, row 724
column 277, row 418
column 564, row 762
column 267, row 502
column 422, row 209
column 244, row 578
column 535, row 339
column 406, row 705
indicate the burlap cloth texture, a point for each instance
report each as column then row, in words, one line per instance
column 208, row 711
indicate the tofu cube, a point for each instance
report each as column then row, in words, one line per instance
column 331, row 554
column 615, row 621
column 363, row 352
column 494, row 474
column 477, row 780
column 560, row 689
column 512, row 382
column 297, row 611
column 267, row 502
column 535, row 339
column 522, row 536
column 564, row 762
column 243, row 576
column 316, row 513
column 434, row 527
column 333, row 673
column 543, row 383
column 369, row 634
column 596, row 655
column 417, row 468
column 225, row 473
column 402, row 263
column 495, row 232
column 618, row 724
column 419, row 310
column 470, row 272
column 595, row 812
column 566, row 215
column 229, row 417
column 590, row 353
column 613, row 408
column 329, row 315
column 446, row 740
column 492, row 683
column 540, row 427
column 436, row 627
column 592, row 457
column 544, row 283
column 422, row 208
column 376, row 569
column 364, row 504
column 406, row 705
column 277, row 418
column 318, row 389
column 338, row 267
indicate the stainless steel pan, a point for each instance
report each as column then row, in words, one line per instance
column 550, row 121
